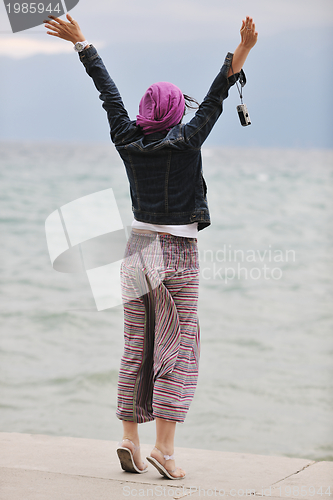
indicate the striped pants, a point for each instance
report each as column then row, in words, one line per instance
column 159, row 368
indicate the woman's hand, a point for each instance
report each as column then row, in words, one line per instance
column 67, row 31
column 249, row 35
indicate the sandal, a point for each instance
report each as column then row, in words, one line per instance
column 126, row 458
column 161, row 469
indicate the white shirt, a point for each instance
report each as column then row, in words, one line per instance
column 186, row 230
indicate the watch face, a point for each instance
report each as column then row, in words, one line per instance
column 79, row 46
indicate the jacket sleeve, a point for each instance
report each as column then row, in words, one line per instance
column 118, row 118
column 197, row 130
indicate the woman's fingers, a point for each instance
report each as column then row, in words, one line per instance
column 248, row 33
column 66, row 30
column 55, row 29
column 57, row 22
column 51, row 27
column 52, row 23
column 54, row 34
column 60, row 21
column 249, row 24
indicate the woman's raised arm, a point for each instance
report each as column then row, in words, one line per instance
column 112, row 103
column 249, row 37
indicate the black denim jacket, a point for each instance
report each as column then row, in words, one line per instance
column 164, row 169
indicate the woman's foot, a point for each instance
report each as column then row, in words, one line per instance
column 168, row 466
column 131, row 462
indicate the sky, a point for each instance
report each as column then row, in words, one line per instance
column 45, row 93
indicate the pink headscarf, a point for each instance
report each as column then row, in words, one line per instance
column 161, row 107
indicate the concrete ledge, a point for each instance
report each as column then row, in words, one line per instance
column 38, row 467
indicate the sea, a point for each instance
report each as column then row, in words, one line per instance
column 265, row 302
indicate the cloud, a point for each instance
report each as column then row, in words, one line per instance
column 176, row 21
column 22, row 47
column 194, row 19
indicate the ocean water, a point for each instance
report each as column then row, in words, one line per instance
column 265, row 306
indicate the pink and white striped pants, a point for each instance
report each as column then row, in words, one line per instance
column 159, row 368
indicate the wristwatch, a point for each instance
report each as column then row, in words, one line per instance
column 79, row 46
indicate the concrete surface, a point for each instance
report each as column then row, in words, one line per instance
column 38, row 467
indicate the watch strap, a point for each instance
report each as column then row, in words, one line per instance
column 79, row 46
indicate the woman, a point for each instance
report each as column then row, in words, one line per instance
column 160, row 271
